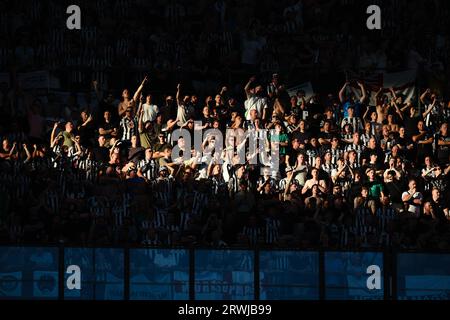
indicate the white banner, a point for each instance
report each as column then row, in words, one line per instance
column 402, row 82
column 307, row 87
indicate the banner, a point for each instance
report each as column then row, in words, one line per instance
column 306, row 87
column 403, row 83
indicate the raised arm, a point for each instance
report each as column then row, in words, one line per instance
column 140, row 120
column 139, row 90
column 178, row 97
column 364, row 117
column 363, row 91
column 429, row 108
column 397, row 110
column 342, row 92
column 52, row 135
column 27, row 153
column 424, row 95
column 89, row 119
column 247, row 87
column 394, row 95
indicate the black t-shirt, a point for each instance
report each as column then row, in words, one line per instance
column 395, row 191
column 301, row 136
column 410, row 124
column 292, row 153
column 442, row 151
column 404, row 142
column 424, row 148
column 107, row 126
column 367, row 151
column 326, row 135
column 438, row 208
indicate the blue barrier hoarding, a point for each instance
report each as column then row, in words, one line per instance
column 28, row 273
column 109, row 274
column 423, row 276
column 159, row 274
column 84, row 259
column 289, row 275
column 354, row 276
column 224, row 275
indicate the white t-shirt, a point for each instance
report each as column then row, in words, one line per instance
column 413, row 208
column 255, row 103
column 150, row 112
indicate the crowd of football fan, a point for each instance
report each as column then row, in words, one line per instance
column 99, row 170
column 350, row 174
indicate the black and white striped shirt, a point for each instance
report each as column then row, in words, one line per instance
column 355, row 122
column 129, row 128
column 149, row 169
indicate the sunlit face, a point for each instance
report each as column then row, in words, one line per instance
column 373, row 116
column 334, row 142
column 101, row 140
column 5, row 144
column 126, row 94
column 318, row 161
column 412, row 184
column 302, row 125
column 420, row 125
column 148, row 154
column 351, row 112
column 401, row 131
column 364, row 193
column 69, row 126
column 107, row 115
column 216, row 169
column 134, row 139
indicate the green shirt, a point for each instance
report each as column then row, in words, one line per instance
column 68, row 136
